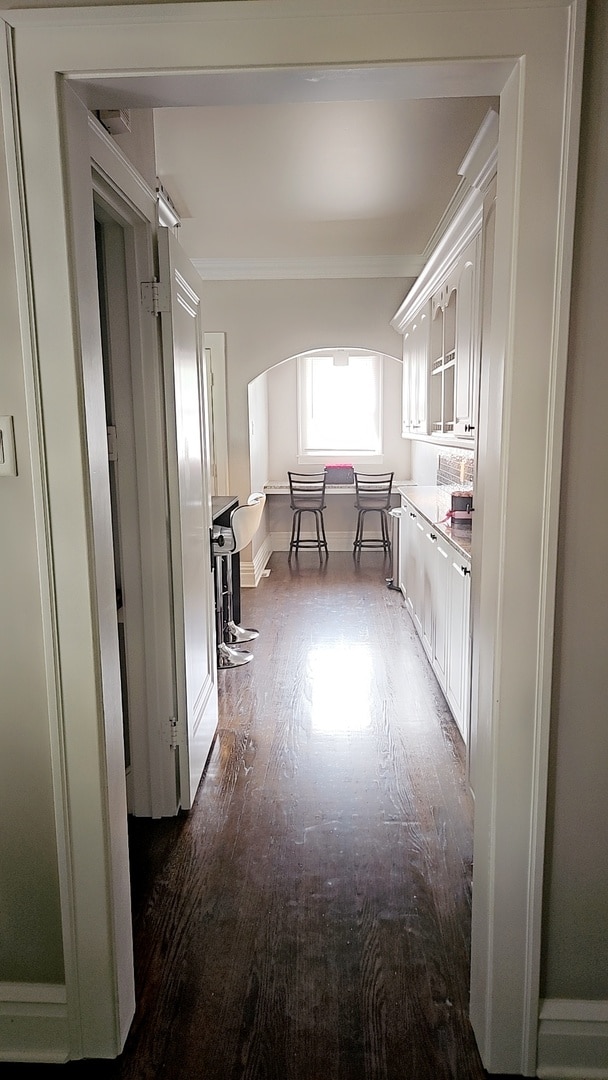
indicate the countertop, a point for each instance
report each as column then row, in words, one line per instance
column 221, row 503
column 433, row 503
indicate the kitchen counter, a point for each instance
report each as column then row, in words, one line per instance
column 433, row 503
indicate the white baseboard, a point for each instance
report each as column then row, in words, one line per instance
column 251, row 572
column 33, row 1022
column 573, row 1040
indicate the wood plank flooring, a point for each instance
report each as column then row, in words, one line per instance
column 309, row 919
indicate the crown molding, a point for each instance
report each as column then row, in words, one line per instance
column 328, row 266
column 463, row 227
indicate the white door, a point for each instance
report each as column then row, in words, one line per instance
column 187, row 419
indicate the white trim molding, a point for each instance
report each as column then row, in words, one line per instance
column 251, row 572
column 323, row 267
column 573, row 1040
column 33, row 1022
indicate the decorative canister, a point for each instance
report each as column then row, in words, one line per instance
column 462, row 508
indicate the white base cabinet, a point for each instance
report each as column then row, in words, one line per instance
column 458, row 668
column 435, row 579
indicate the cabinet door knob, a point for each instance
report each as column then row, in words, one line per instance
column 469, row 427
column 432, row 536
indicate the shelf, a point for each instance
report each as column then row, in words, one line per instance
column 444, row 367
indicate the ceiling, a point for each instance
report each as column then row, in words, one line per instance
column 340, row 179
column 326, row 171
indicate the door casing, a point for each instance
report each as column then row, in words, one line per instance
column 131, row 206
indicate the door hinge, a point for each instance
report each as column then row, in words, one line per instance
column 112, row 444
column 155, row 297
column 173, row 738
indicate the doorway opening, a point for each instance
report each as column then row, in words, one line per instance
column 395, row 400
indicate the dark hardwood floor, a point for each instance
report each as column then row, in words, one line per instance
column 309, row 919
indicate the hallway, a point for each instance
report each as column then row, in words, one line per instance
column 309, row 919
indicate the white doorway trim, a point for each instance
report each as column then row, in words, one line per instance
column 522, row 430
column 132, row 204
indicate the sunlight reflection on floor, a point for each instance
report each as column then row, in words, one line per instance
column 340, row 688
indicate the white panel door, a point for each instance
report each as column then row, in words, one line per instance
column 187, row 418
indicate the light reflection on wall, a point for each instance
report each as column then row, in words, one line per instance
column 340, row 677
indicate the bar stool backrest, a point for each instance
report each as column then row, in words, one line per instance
column 373, row 490
column 245, row 520
column 307, row 490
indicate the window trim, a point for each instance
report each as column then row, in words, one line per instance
column 305, row 457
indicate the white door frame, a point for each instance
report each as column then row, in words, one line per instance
column 520, row 433
column 153, row 787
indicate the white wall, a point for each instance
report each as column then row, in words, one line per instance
column 257, row 393
column 259, row 431
column 30, row 929
column 267, row 321
column 425, row 458
column 576, row 937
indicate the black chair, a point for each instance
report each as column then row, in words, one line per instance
column 373, row 495
column 307, row 491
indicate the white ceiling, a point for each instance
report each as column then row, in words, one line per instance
column 310, row 180
column 344, row 169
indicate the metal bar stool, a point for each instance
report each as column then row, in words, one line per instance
column 373, row 495
column 244, row 523
column 307, row 492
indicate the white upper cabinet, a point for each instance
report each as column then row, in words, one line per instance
column 467, row 341
column 441, row 351
column 415, row 375
column 441, row 316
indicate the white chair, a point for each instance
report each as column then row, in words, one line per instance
column 226, row 542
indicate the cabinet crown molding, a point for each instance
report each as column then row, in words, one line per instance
column 479, row 164
column 477, row 170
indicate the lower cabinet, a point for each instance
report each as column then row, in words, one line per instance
column 411, row 563
column 457, row 686
column 443, row 556
column 435, row 579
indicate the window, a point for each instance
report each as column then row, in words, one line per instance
column 340, row 406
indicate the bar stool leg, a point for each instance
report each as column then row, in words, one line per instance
column 292, row 541
column 234, row 634
column 324, row 540
column 226, row 657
